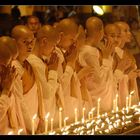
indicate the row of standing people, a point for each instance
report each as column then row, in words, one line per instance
column 65, row 66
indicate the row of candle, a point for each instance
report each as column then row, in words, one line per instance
column 90, row 115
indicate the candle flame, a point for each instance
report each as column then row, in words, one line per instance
column 66, row 118
column 117, row 116
column 132, row 92
column 110, row 127
column 106, row 114
column 84, row 108
column 20, row 130
column 93, row 131
column 10, row 133
column 34, row 117
column 51, row 119
column 47, row 115
column 99, row 99
column 75, row 109
column 92, row 109
column 60, row 109
column 123, row 118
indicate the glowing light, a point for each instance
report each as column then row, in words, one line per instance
column 19, row 131
column 10, row 133
column 98, row 10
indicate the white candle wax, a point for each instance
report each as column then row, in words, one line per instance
column 33, row 124
column 60, row 118
column 65, row 121
column 116, row 102
column 98, row 107
column 89, row 115
column 76, row 117
column 19, row 131
column 46, row 123
column 130, row 98
column 92, row 110
column 84, row 114
column 51, row 124
column 10, row 133
column 114, row 105
column 127, row 102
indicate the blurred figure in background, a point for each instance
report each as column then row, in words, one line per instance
column 33, row 24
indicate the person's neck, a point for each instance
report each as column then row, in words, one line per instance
column 92, row 41
column 21, row 58
column 36, row 50
column 121, row 46
column 47, row 53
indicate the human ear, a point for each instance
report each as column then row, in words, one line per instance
column 44, row 41
column 61, row 34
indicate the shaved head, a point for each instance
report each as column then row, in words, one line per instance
column 33, row 24
column 125, row 31
column 32, row 17
column 24, row 39
column 10, row 43
column 111, row 29
column 121, row 24
column 67, row 26
column 49, row 32
column 5, row 54
column 20, row 31
column 94, row 24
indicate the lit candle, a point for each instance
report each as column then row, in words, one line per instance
column 75, row 112
column 92, row 110
column 33, row 124
column 65, row 121
column 51, row 124
column 60, row 118
column 130, row 98
column 84, row 114
column 19, row 131
column 116, row 102
column 127, row 110
column 92, row 131
column 114, row 105
column 46, row 123
column 127, row 102
column 89, row 114
column 10, row 133
column 98, row 107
